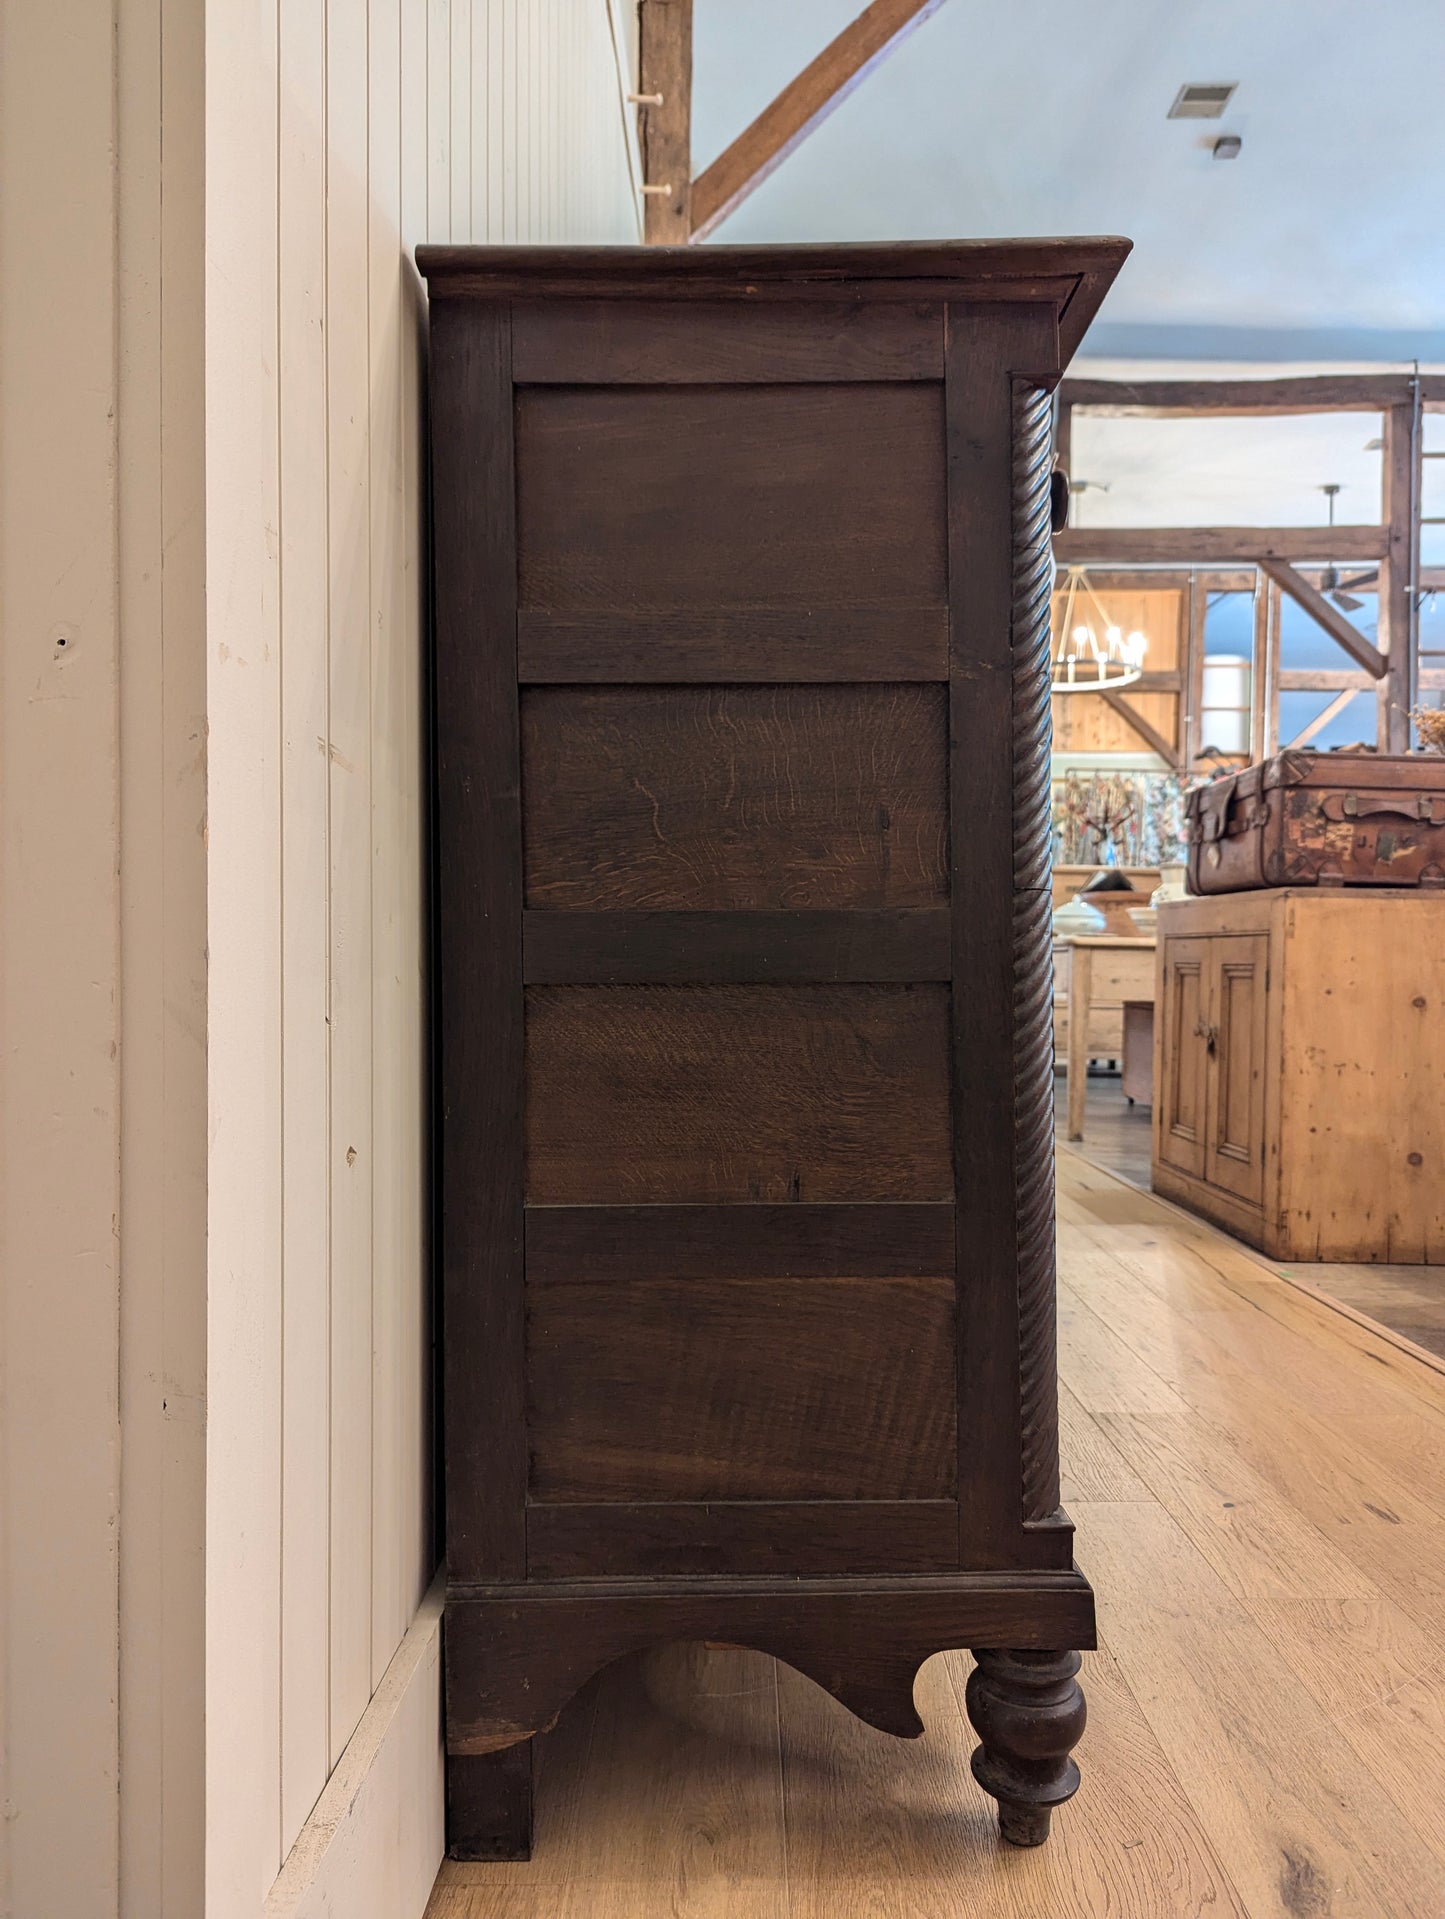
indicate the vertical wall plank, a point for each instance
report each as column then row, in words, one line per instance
column 511, row 162
column 60, row 1460
column 419, row 1546
column 391, row 122
column 497, row 129
column 526, row 113
column 161, row 230
column 439, row 119
column 305, row 930
column 348, row 375
column 477, row 80
column 397, row 1579
column 243, row 1442
column 461, row 146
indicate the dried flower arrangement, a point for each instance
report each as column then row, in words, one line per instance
column 1431, row 723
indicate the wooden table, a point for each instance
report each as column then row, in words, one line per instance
column 1122, row 968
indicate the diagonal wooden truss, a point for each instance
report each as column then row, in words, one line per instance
column 680, row 208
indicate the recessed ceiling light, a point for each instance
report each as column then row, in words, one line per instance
column 1227, row 146
column 1199, row 102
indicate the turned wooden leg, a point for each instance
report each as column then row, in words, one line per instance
column 1028, row 1710
column 489, row 1804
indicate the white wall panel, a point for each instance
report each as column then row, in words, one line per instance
column 390, row 122
column 59, row 964
column 244, row 828
column 305, row 913
column 161, row 238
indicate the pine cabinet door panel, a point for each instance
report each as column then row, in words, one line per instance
column 1184, row 1094
column 1234, row 1159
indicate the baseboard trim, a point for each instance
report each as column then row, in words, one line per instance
column 375, row 1839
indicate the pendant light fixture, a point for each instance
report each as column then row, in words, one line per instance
column 1092, row 654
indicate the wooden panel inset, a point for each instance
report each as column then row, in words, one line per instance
column 560, row 949
column 770, row 1389
column 746, row 645
column 1182, row 1056
column 735, row 797
column 604, row 1243
column 781, row 496
column 1234, row 1136
column 597, row 342
column 715, row 1093
column 753, row 1536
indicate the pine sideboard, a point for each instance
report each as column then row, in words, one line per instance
column 742, row 581
column 1299, row 1070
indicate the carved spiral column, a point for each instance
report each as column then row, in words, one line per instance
column 1033, row 1103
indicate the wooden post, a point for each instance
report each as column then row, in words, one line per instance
column 1195, row 604
column 1400, row 462
column 1270, row 691
column 665, row 128
column 1259, row 667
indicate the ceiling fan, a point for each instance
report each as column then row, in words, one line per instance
column 1330, row 581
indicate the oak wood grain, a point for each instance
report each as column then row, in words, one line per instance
column 712, row 497
column 734, row 798
column 739, row 646
column 602, row 1244
column 594, row 343
column 741, row 1536
column 577, row 948
column 723, row 1389
column 715, row 1093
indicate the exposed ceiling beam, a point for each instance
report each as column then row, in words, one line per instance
column 802, row 105
column 1151, row 737
column 1334, row 679
column 1179, row 545
column 664, row 130
column 1326, row 616
column 1324, row 393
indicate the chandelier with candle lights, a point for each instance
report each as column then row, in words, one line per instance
column 1092, row 654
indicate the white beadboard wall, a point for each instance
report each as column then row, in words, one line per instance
column 339, row 134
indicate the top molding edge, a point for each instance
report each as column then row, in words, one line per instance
column 1070, row 275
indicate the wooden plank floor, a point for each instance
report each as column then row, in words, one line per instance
column 1259, row 1487
column 1410, row 1300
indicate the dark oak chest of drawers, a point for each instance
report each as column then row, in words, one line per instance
column 743, row 970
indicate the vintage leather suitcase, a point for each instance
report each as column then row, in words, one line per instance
column 1320, row 819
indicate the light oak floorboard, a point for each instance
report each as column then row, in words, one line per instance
column 669, row 1804
column 1250, row 1536
column 1382, row 1682
column 1101, row 1199
column 1371, row 1513
column 1091, row 1465
column 1305, row 1828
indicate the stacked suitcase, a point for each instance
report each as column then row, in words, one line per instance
column 1320, row 819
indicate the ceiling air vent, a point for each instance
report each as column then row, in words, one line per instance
column 1202, row 103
